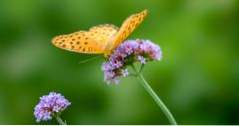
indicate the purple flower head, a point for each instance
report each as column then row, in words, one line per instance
column 49, row 105
column 152, row 50
column 127, row 53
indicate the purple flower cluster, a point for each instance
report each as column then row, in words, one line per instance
column 127, row 53
column 50, row 104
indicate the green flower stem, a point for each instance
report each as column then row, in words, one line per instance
column 156, row 98
column 59, row 120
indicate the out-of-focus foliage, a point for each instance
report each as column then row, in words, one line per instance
column 198, row 77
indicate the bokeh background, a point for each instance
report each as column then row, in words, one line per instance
column 198, row 78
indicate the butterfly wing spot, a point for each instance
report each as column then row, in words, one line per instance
column 83, row 49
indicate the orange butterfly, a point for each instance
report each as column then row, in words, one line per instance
column 101, row 39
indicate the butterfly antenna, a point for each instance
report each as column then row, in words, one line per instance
column 87, row 60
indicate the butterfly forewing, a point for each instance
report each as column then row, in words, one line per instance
column 127, row 28
column 80, row 42
column 92, row 41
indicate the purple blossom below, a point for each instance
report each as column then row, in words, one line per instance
column 127, row 53
column 49, row 105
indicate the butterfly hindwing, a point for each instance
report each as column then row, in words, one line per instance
column 103, row 33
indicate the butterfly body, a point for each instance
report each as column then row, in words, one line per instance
column 101, row 39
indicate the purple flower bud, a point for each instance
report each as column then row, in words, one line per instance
column 125, row 72
column 141, row 59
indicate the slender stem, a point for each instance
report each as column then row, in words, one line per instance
column 156, row 98
column 59, row 120
column 141, row 68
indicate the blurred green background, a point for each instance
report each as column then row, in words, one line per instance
column 198, row 78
